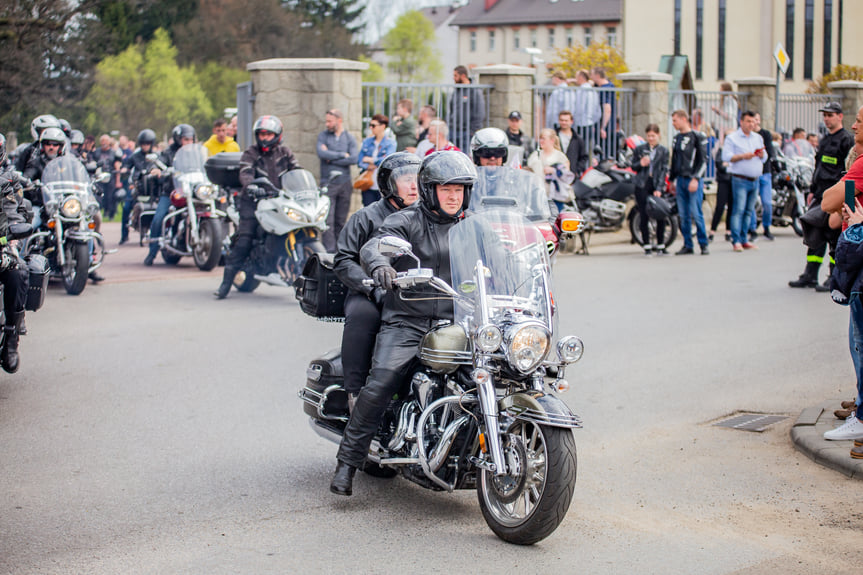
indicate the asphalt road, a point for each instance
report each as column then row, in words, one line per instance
column 152, row 429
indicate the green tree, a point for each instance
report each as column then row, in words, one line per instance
column 598, row 54
column 839, row 72
column 127, row 21
column 374, row 73
column 344, row 13
column 409, row 47
column 220, row 85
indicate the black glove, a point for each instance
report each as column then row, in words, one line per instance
column 377, row 296
column 384, row 276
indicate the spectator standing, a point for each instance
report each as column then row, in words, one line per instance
column 799, row 146
column 571, row 144
column 373, row 151
column 109, row 158
column 813, row 140
column 724, row 197
column 725, row 114
column 650, row 161
column 829, row 165
column 745, row 153
column 425, row 117
column 438, row 138
column 127, row 148
column 688, row 164
column 551, row 165
column 561, row 98
column 513, row 129
column 765, row 184
column 404, row 127
column 220, row 141
column 232, row 128
column 466, row 109
column 338, row 151
column 587, row 111
column 608, row 122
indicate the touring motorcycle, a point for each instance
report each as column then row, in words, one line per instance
column 67, row 237
column 479, row 411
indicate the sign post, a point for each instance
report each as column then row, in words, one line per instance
column 782, row 61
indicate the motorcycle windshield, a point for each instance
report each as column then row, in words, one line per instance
column 501, row 254
column 511, row 189
column 189, row 167
column 64, row 175
column 301, row 185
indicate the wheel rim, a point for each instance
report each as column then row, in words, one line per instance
column 203, row 249
column 513, row 498
column 240, row 278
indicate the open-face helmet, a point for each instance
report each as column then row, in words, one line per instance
column 489, row 143
column 39, row 123
column 391, row 169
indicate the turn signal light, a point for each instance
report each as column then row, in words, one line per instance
column 91, row 225
column 482, row 443
column 570, row 225
column 51, row 224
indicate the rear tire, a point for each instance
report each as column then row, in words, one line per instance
column 671, row 230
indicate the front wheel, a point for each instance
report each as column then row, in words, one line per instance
column 208, row 251
column 671, row 228
column 795, row 225
column 76, row 268
column 527, row 504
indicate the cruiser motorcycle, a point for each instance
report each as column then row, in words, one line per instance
column 480, row 410
column 792, row 177
column 67, row 236
column 193, row 227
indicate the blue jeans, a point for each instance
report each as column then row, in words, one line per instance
column 124, row 219
column 156, row 226
column 855, row 343
column 689, row 208
column 765, row 190
column 744, row 192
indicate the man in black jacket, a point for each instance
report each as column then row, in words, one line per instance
column 266, row 156
column 397, row 179
column 650, row 162
column 688, row 164
column 445, row 181
column 571, row 143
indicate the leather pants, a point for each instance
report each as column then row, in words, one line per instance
column 362, row 323
column 395, row 354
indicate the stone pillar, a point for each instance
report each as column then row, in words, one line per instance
column 511, row 92
column 650, row 100
column 852, row 99
column 300, row 91
column 761, row 99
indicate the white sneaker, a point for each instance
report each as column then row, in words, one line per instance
column 851, row 429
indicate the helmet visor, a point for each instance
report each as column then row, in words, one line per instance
column 491, row 152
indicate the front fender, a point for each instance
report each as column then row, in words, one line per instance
column 540, row 408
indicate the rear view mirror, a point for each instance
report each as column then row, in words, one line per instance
column 394, row 246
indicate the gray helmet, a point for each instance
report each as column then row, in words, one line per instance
column 489, row 143
column 39, row 123
column 53, row 135
column 268, row 124
column 77, row 138
column 441, row 168
column 393, row 167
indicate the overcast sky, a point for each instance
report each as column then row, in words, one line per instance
column 381, row 15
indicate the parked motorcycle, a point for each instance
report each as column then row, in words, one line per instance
column 479, row 410
column 193, row 226
column 792, row 176
column 67, row 236
column 293, row 218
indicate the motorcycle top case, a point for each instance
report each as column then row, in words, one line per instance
column 39, row 269
column 319, row 291
column 224, row 169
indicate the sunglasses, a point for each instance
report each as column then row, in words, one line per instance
column 51, row 145
column 374, row 125
column 491, row 153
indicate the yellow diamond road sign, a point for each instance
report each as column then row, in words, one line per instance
column 782, row 57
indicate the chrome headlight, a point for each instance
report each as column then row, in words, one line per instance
column 71, row 208
column 570, row 349
column 296, row 215
column 488, row 338
column 204, row 192
column 527, row 346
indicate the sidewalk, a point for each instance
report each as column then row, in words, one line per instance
column 808, row 437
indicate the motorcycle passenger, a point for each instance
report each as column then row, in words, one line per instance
column 76, row 141
column 181, row 135
column 445, row 182
column 15, row 278
column 650, row 160
column 143, row 177
column 266, row 156
column 37, row 126
column 397, row 180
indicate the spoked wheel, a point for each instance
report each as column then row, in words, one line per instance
column 528, row 503
column 671, row 228
column 76, row 268
column 208, row 251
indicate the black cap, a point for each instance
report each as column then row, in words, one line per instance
column 515, row 115
column 832, row 107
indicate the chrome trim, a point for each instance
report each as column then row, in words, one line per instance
column 460, row 357
column 441, row 450
column 488, row 401
column 319, row 399
column 407, row 418
column 314, row 372
column 457, row 400
column 571, row 421
column 398, row 461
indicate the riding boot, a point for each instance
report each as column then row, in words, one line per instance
column 22, row 327
column 343, row 479
column 227, row 280
column 365, row 418
column 9, row 356
column 809, row 277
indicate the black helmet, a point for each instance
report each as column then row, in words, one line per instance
column 53, row 135
column 181, row 131
column 77, row 138
column 147, row 136
column 446, row 167
column 39, row 123
column 3, row 152
column 391, row 169
column 66, row 127
column 270, row 124
column 489, row 143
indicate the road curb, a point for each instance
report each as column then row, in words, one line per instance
column 807, row 433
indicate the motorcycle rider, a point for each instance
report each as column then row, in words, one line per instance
column 445, row 182
column 397, row 180
column 181, row 135
column 15, row 278
column 76, row 140
column 37, row 126
column 143, row 173
column 267, row 156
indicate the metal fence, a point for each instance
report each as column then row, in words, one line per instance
column 710, row 113
column 801, row 111
column 464, row 107
column 587, row 106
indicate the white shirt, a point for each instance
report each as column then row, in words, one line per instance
column 739, row 143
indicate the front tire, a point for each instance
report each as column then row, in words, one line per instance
column 527, row 505
column 671, row 228
column 209, row 250
column 76, row 268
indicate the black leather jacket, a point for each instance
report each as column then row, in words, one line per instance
column 830, row 160
column 254, row 164
column 428, row 233
column 145, row 184
column 354, row 235
column 659, row 165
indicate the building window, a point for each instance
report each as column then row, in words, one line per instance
column 551, row 37
column 828, row 36
column 491, row 40
column 533, row 38
column 808, row 38
column 720, row 61
column 789, row 36
column 699, row 38
column 611, row 35
column 588, row 35
column 677, row 10
column 516, row 39
column 569, row 37
column 473, row 41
